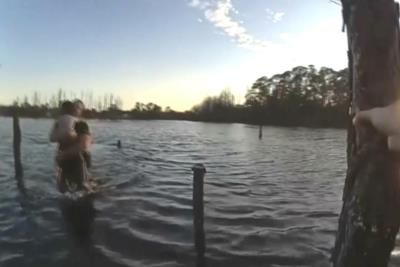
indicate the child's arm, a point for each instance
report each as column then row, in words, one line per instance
column 63, row 130
column 70, row 136
column 56, row 137
column 83, row 143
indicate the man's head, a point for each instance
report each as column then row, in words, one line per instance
column 67, row 107
column 79, row 107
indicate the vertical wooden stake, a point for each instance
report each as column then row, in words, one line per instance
column 198, row 212
column 260, row 132
column 17, row 147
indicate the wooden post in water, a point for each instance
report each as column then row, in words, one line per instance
column 198, row 213
column 260, row 132
column 17, row 147
column 370, row 216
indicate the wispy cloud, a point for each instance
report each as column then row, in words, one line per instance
column 274, row 15
column 194, row 3
column 221, row 14
column 199, row 3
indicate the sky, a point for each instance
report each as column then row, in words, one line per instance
column 170, row 52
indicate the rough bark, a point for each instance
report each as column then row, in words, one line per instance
column 370, row 216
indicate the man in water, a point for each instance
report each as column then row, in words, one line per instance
column 75, row 160
column 73, row 138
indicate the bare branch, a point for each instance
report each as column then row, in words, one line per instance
column 335, row 2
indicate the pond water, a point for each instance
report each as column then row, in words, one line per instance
column 269, row 202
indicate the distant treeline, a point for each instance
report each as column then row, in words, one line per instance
column 107, row 106
column 303, row 96
column 142, row 111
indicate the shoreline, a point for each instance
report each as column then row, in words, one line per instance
column 309, row 126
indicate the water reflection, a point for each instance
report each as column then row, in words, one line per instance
column 200, row 259
column 21, row 185
column 79, row 217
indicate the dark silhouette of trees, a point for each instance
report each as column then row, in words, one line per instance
column 221, row 108
column 303, row 96
column 146, row 111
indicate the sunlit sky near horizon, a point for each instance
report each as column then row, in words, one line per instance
column 170, row 52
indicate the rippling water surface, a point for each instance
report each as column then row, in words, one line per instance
column 272, row 202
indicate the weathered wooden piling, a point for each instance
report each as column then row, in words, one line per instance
column 370, row 217
column 17, row 146
column 198, row 213
column 260, row 132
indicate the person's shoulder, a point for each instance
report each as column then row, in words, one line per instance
column 71, row 117
column 68, row 118
column 66, row 121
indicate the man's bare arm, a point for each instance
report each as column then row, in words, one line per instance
column 83, row 144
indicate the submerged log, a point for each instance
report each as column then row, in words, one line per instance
column 370, row 216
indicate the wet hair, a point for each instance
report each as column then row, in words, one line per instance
column 81, row 127
column 67, row 107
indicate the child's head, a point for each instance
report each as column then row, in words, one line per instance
column 81, row 127
column 67, row 107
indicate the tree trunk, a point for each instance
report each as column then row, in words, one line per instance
column 370, row 216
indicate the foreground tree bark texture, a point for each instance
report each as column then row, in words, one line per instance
column 370, row 216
